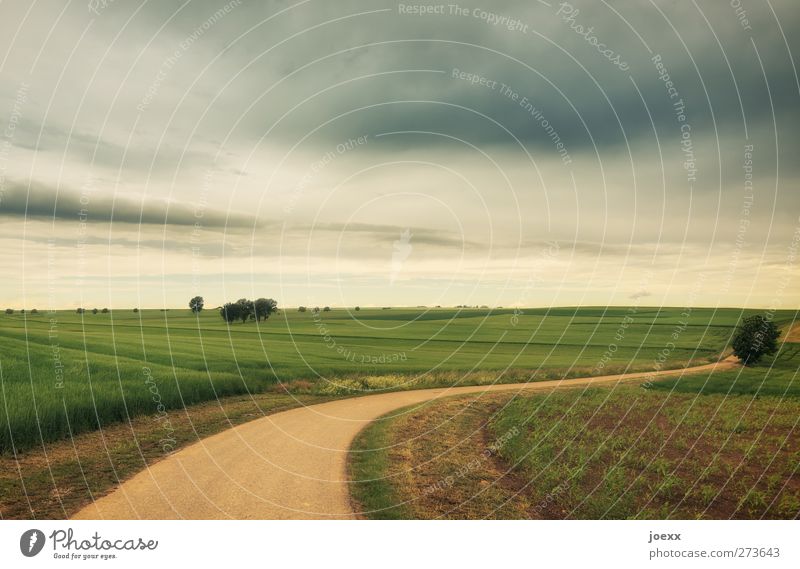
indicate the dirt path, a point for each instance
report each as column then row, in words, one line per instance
column 792, row 333
column 288, row 465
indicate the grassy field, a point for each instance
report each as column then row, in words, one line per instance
column 57, row 480
column 671, row 449
column 776, row 376
column 65, row 373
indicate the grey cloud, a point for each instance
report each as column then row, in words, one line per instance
column 604, row 113
column 640, row 294
column 598, row 105
column 36, row 201
column 390, row 233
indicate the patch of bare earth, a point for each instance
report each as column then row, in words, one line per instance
column 793, row 333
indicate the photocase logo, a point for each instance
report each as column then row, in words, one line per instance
column 402, row 249
column 31, row 542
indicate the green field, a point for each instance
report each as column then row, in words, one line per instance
column 776, row 376
column 711, row 446
column 65, row 373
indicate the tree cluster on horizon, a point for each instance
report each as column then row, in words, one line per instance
column 245, row 309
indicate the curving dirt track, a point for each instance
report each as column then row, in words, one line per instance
column 291, row 465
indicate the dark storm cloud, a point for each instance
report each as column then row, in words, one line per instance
column 710, row 58
column 39, row 202
column 253, row 72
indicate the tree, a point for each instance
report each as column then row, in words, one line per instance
column 755, row 337
column 230, row 312
column 9, row 311
column 94, row 311
column 264, row 307
column 301, row 309
column 326, row 309
column 315, row 309
column 196, row 304
column 136, row 310
column 80, row 310
column 34, row 311
column 104, row 311
column 358, row 308
column 246, row 309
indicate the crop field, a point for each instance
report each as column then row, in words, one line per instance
column 776, row 376
column 716, row 446
column 64, row 373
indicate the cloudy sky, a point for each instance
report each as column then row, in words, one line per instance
column 374, row 153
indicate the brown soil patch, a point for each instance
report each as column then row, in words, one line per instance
column 792, row 333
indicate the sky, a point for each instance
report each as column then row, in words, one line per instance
column 512, row 153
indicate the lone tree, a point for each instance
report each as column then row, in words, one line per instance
column 358, row 308
column 136, row 310
column 755, row 337
column 264, row 307
column 301, row 309
column 9, row 311
column 230, row 312
column 326, row 309
column 80, row 311
column 95, row 311
column 196, row 304
column 104, row 311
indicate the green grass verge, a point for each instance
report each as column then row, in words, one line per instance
column 776, row 376
column 373, row 495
